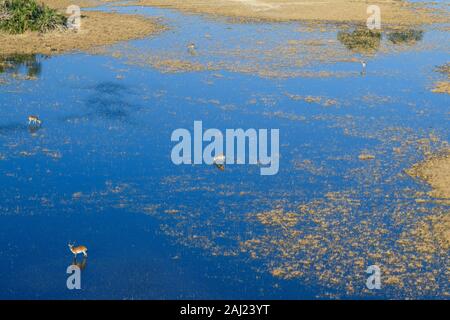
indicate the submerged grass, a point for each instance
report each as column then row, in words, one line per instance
column 406, row 36
column 19, row 16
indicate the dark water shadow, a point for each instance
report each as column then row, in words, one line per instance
column 17, row 128
column 110, row 88
column 32, row 129
column 108, row 101
column 109, row 108
column 80, row 264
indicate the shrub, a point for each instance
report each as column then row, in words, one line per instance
column 360, row 40
column 18, row 16
column 405, row 36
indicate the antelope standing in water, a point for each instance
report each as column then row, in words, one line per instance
column 34, row 120
column 78, row 249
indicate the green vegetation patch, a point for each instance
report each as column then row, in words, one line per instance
column 406, row 36
column 19, row 16
column 360, row 40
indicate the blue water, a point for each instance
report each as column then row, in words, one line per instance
column 102, row 158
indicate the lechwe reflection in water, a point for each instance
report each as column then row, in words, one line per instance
column 82, row 264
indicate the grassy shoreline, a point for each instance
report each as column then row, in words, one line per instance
column 97, row 29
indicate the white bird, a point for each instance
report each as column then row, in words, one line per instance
column 191, row 48
column 363, row 64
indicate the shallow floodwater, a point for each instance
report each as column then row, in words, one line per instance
column 98, row 171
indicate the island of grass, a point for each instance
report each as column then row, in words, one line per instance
column 40, row 27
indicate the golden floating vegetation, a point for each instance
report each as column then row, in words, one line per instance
column 433, row 235
column 277, row 58
column 322, row 247
column 325, row 102
column 286, row 58
column 176, row 65
column 366, row 156
column 335, row 238
column 443, row 86
column 313, row 168
column 278, row 217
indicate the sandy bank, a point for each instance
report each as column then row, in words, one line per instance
column 63, row 4
column 436, row 172
column 392, row 12
column 442, row 87
column 97, row 29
